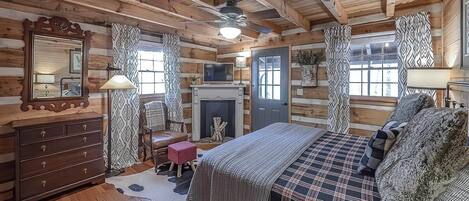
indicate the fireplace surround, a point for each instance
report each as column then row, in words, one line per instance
column 221, row 96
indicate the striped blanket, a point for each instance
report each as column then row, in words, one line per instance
column 247, row 167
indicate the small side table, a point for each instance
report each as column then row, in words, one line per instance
column 181, row 153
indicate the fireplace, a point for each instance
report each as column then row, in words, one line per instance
column 217, row 108
column 219, row 100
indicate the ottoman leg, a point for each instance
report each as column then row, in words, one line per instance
column 179, row 173
column 192, row 166
column 171, row 166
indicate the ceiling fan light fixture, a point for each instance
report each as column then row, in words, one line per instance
column 230, row 30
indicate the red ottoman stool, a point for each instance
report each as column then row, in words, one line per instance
column 181, row 153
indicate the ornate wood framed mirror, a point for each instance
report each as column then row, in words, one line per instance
column 56, row 65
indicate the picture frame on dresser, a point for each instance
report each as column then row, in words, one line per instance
column 58, row 153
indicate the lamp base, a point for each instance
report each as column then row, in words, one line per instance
column 113, row 173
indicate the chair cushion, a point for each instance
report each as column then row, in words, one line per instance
column 378, row 146
column 426, row 155
column 410, row 105
column 162, row 139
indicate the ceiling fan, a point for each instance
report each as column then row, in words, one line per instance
column 232, row 18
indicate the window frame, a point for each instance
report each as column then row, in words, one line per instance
column 368, row 69
column 155, row 72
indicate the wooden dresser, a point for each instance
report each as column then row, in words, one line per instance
column 58, row 153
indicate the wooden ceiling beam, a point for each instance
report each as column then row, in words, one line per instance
column 390, row 8
column 78, row 13
column 147, row 15
column 287, row 12
column 187, row 13
column 336, row 9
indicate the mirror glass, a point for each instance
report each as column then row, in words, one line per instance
column 57, row 67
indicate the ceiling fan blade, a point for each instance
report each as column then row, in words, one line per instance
column 259, row 28
column 203, row 21
column 264, row 14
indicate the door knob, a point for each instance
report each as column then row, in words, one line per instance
column 284, row 103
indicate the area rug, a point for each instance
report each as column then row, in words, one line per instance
column 164, row 186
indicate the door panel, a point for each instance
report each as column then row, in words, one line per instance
column 270, row 87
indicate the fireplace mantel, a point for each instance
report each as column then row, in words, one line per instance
column 217, row 92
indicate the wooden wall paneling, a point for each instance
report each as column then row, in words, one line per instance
column 10, row 86
column 11, row 58
column 195, row 53
column 452, row 35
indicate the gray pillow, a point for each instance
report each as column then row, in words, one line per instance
column 458, row 189
column 426, row 155
column 410, row 105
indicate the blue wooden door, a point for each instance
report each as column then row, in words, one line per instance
column 270, row 87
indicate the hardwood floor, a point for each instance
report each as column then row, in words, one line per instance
column 107, row 192
column 104, row 192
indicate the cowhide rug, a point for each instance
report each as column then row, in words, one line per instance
column 164, row 186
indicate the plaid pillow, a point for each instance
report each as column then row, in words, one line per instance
column 378, row 146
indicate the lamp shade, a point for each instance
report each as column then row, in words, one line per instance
column 45, row 78
column 118, row 82
column 241, row 62
column 428, row 78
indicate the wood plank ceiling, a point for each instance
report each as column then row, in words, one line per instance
column 190, row 18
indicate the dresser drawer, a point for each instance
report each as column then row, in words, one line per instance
column 59, row 145
column 58, row 161
column 32, row 135
column 52, row 181
column 84, row 127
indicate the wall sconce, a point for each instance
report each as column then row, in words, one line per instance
column 241, row 63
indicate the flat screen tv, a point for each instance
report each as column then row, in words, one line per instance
column 218, row 73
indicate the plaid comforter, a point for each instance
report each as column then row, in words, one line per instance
column 327, row 171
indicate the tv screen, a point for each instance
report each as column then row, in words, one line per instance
column 218, row 72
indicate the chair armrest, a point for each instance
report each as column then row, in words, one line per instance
column 177, row 122
column 146, row 130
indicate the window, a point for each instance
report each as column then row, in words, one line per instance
column 373, row 70
column 269, row 77
column 151, row 72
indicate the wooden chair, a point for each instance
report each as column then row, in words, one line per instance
column 156, row 142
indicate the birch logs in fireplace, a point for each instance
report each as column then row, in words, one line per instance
column 218, row 130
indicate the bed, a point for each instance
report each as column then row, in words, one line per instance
column 310, row 164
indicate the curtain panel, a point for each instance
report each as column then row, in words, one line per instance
column 125, row 103
column 414, row 46
column 173, row 99
column 338, row 52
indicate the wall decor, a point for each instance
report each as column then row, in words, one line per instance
column 76, row 58
column 55, row 46
column 465, row 34
column 310, row 61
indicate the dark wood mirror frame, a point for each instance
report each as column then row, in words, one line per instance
column 61, row 28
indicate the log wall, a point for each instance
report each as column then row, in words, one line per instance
column 310, row 107
column 12, row 72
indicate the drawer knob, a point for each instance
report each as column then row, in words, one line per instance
column 85, row 153
column 43, row 148
column 43, row 133
column 43, row 164
column 85, row 170
column 85, row 127
column 85, row 139
column 43, row 183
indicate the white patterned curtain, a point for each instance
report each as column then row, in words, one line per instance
column 338, row 52
column 172, row 73
column 414, row 46
column 125, row 103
